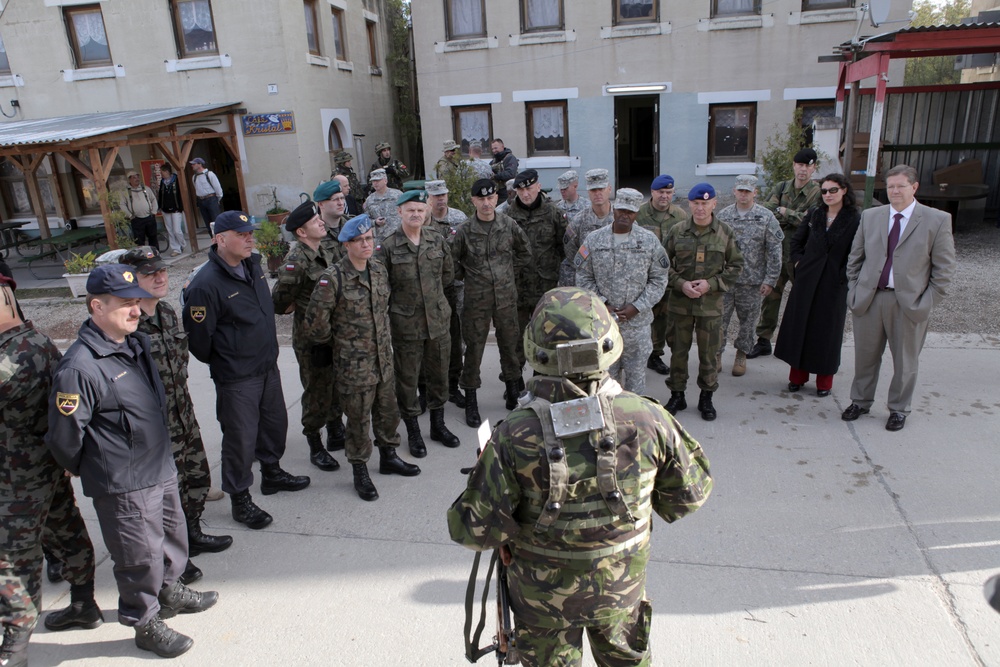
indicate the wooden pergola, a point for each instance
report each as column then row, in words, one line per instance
column 26, row 144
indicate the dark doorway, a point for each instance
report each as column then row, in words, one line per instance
column 218, row 160
column 637, row 141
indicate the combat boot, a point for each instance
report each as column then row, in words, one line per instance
column 417, row 447
column 761, row 348
column 191, row 573
column 705, row 406
column 199, row 542
column 363, row 483
column 155, row 636
column 336, row 437
column 53, row 568
column 247, row 513
column 676, row 403
column 740, row 364
column 511, row 394
column 82, row 612
column 440, row 432
column 390, row 463
column 274, row 479
column 179, row 599
column 472, row 417
column 655, row 364
column 455, row 394
column 319, row 456
column 14, row 651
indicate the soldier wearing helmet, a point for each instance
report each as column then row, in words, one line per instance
column 567, row 485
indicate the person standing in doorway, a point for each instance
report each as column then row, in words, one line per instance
column 207, row 191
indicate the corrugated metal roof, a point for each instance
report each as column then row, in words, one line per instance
column 961, row 27
column 69, row 128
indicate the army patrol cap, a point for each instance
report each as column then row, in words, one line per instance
column 412, row 195
column 382, row 146
column 354, row 228
column 662, row 182
column 302, row 214
column 805, row 156
column 377, row 175
column 342, row 157
column 436, row 187
column 701, row 191
column 235, row 221
column 568, row 178
column 572, row 334
column 597, row 179
column 450, row 145
column 484, row 187
column 526, row 178
column 146, row 259
column 746, row 182
column 326, row 190
column 628, row 199
column 117, row 280
column 475, row 144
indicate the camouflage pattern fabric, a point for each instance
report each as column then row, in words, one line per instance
column 745, row 300
column 395, row 172
column 574, row 209
column 383, row 206
column 660, row 223
column 352, row 179
column 707, row 329
column 577, row 230
column 798, row 203
column 455, row 294
column 299, row 273
column 331, row 243
column 371, row 406
column 447, row 166
column 759, row 238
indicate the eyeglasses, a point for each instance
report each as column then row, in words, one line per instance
column 363, row 241
column 830, row 191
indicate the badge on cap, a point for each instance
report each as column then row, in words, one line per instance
column 244, row 218
column 705, row 196
column 127, row 275
column 198, row 314
column 67, row 403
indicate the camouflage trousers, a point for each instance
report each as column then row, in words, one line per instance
column 660, row 328
column 52, row 519
column 370, row 406
column 630, row 369
column 745, row 300
column 194, row 476
column 772, row 302
column 708, row 330
column 320, row 403
column 457, row 302
column 567, row 274
column 624, row 643
column 476, row 329
column 426, row 360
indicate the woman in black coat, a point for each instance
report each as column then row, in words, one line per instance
column 812, row 327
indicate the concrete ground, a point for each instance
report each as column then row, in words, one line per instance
column 824, row 543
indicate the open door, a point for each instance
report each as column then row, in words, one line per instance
column 637, row 141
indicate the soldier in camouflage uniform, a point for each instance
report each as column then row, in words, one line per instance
column 447, row 220
column 758, row 237
column 705, row 262
column 168, row 345
column 355, row 191
column 381, row 206
column 545, row 226
column 789, row 201
column 450, row 161
column 630, row 277
column 489, row 250
column 418, row 261
column 571, row 203
column 395, row 171
column 597, row 215
column 349, row 308
column 658, row 215
column 303, row 266
column 36, row 499
column 576, row 554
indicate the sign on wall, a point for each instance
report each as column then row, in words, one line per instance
column 150, row 173
column 255, row 124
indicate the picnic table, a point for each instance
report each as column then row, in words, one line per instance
column 63, row 243
column 8, row 236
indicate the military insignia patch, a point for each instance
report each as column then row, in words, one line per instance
column 323, row 282
column 128, row 276
column 67, row 403
column 664, row 262
column 198, row 313
column 289, row 267
column 582, row 254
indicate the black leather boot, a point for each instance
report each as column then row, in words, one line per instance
column 676, row 403
column 53, row 569
column 82, row 612
column 390, row 464
column 179, row 599
column 472, row 417
column 274, row 479
column 14, row 651
column 511, row 394
column 191, row 573
column 319, row 456
column 155, row 636
column 199, row 542
column 440, row 432
column 417, row 447
column 247, row 513
column 336, row 436
column 363, row 483
column 455, row 394
column 761, row 348
column 705, row 406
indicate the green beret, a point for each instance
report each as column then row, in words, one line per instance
column 412, row 195
column 326, row 190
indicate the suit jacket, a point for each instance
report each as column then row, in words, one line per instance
column 922, row 263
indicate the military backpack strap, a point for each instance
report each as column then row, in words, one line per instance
column 605, row 443
column 473, row 652
column 555, row 454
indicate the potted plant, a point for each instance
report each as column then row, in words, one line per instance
column 277, row 212
column 78, row 267
column 271, row 244
column 120, row 220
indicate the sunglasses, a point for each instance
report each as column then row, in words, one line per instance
column 831, row 191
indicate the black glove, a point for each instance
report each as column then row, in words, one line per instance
column 321, row 356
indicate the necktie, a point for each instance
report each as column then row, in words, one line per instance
column 883, row 281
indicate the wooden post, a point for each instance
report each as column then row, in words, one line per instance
column 29, row 168
column 101, row 183
column 234, row 151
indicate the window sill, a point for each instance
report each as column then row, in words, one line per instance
column 319, row 61
column 374, row 70
column 474, row 44
column 203, row 62
column 345, row 65
column 88, row 73
column 549, row 162
column 339, row 4
column 369, row 16
column 11, row 81
column 547, row 37
column 823, row 16
column 736, row 22
column 635, row 30
column 725, row 168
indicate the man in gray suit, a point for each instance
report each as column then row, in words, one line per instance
column 900, row 264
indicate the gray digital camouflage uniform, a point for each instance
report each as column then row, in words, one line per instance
column 576, row 231
column 383, row 206
column 660, row 223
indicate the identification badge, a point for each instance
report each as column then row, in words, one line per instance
column 700, row 255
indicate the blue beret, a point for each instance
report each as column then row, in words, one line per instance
column 412, row 195
column 354, row 228
column 701, row 191
column 116, row 279
column 236, row 221
column 326, row 190
column 662, row 181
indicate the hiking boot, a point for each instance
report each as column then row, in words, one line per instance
column 740, row 364
column 455, row 394
column 417, row 447
column 274, row 479
column 705, row 406
column 179, row 599
column 191, row 573
column 472, row 417
column 318, row 456
column 336, row 436
column 247, row 513
column 676, row 403
column 655, row 364
column 80, row 614
column 440, row 432
column 761, row 348
column 199, row 542
column 155, row 636
column 390, row 463
column 363, row 483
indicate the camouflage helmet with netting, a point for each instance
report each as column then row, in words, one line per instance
column 572, row 334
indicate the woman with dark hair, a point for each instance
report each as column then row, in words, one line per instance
column 812, row 327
